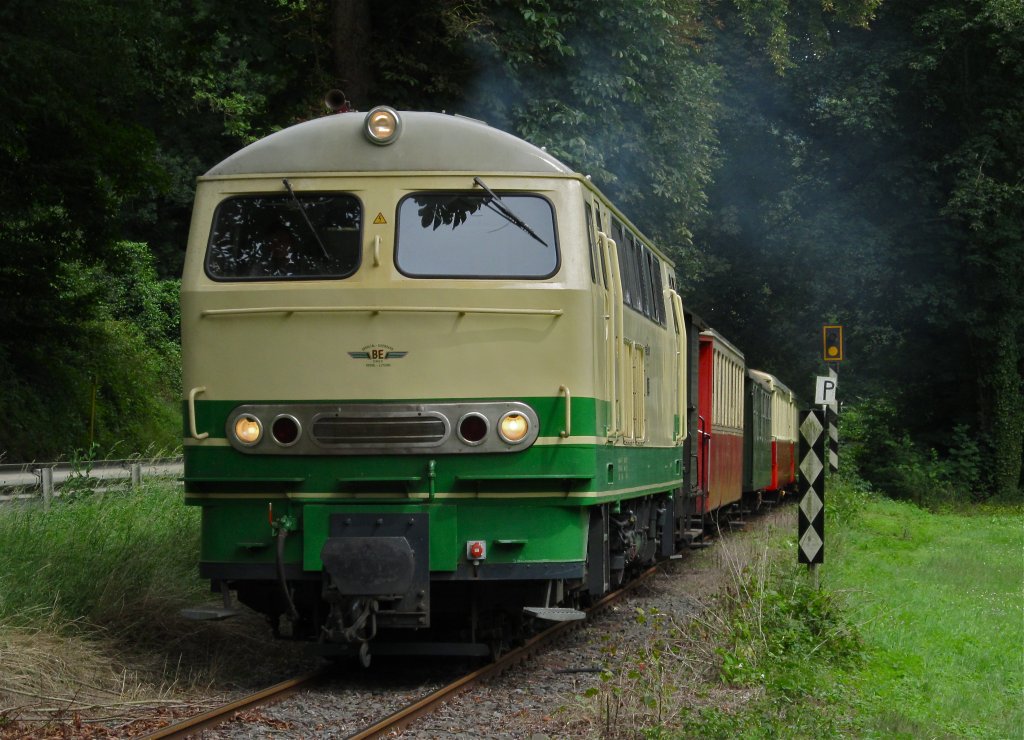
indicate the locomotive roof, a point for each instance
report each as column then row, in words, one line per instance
column 432, row 142
column 724, row 343
column 775, row 382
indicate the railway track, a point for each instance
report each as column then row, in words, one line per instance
column 416, row 709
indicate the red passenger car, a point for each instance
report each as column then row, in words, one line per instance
column 720, row 423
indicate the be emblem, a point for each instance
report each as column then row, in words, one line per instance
column 378, row 355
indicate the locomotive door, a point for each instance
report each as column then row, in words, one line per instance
column 704, row 421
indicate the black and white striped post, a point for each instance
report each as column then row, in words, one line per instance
column 832, row 352
column 832, row 417
column 811, row 519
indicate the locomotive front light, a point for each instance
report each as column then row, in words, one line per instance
column 383, row 125
column 248, row 429
column 513, row 427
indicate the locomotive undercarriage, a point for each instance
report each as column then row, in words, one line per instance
column 388, row 602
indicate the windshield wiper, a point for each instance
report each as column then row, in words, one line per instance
column 302, row 209
column 497, row 205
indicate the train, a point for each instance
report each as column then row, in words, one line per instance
column 437, row 387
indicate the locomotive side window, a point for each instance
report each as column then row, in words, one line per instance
column 659, row 291
column 591, row 242
column 643, row 270
column 278, row 237
column 626, row 275
column 641, row 274
column 472, row 235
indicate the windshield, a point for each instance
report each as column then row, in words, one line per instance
column 466, row 235
column 267, row 237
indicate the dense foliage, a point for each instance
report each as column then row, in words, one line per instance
column 878, row 184
column 804, row 161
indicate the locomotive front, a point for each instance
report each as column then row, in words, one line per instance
column 391, row 396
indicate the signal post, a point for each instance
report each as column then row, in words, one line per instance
column 817, row 457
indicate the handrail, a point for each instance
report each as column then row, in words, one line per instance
column 677, row 310
column 192, row 413
column 214, row 312
column 617, row 355
column 610, row 336
column 567, row 432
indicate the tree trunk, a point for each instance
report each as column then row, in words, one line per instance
column 351, row 43
column 1005, row 389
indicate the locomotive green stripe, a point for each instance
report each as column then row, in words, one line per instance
column 560, row 471
column 240, row 532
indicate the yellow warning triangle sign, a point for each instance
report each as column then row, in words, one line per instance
column 380, row 219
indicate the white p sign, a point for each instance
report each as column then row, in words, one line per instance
column 825, row 390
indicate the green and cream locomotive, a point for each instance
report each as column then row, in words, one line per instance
column 432, row 377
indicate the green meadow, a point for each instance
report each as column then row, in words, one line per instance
column 938, row 599
column 916, row 631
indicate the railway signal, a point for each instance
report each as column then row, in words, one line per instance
column 832, row 342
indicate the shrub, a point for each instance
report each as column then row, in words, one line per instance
column 106, row 372
column 876, row 447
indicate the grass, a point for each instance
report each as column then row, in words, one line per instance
column 747, row 662
column 917, row 631
column 941, row 600
column 90, row 593
column 98, row 557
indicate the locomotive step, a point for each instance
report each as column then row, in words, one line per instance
column 208, row 613
column 554, row 613
column 696, row 539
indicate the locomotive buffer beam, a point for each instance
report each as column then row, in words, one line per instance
column 381, row 556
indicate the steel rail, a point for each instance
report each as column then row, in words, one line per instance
column 402, row 718
column 217, row 715
column 431, row 703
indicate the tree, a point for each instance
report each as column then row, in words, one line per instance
column 877, row 183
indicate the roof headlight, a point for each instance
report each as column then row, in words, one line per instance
column 382, row 125
column 248, row 429
column 513, row 427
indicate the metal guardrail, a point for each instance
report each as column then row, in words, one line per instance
column 30, row 480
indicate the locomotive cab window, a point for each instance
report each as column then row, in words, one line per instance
column 471, row 234
column 278, row 237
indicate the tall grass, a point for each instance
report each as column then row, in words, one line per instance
column 90, row 592
column 98, row 557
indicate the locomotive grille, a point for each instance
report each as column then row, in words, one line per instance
column 334, row 431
